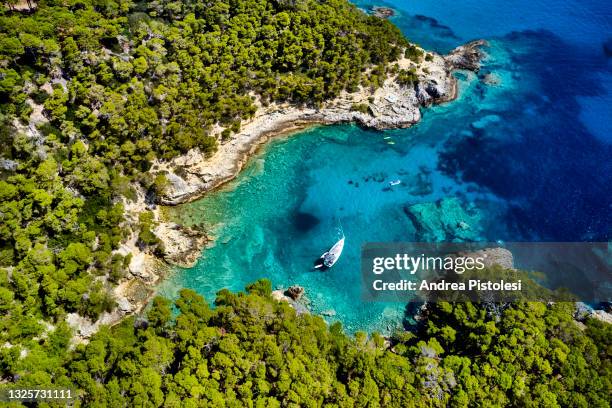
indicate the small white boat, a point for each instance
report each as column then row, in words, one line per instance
column 395, row 182
column 329, row 258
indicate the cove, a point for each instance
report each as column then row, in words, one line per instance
column 521, row 155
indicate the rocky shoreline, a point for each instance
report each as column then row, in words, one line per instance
column 396, row 104
column 391, row 106
column 181, row 246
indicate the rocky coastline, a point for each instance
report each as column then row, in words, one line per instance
column 391, row 106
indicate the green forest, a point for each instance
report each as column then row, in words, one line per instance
column 253, row 351
column 92, row 92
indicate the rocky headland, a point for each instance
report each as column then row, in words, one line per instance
column 390, row 106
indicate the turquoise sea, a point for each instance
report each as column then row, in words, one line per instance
column 525, row 155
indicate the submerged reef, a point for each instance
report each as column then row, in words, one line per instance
column 445, row 220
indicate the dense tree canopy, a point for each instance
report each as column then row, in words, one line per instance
column 251, row 350
column 91, row 92
column 136, row 81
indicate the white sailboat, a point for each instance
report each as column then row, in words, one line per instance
column 329, row 258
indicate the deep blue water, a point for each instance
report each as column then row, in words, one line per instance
column 556, row 156
column 529, row 158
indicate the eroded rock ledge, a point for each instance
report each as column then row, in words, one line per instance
column 182, row 245
column 391, row 106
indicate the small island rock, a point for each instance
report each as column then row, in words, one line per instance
column 295, row 292
column 382, row 12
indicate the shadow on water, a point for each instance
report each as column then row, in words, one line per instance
column 304, row 222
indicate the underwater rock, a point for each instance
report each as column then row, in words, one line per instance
column 491, row 79
column 444, row 220
column 304, row 222
column 377, row 177
column 485, row 121
column 422, row 184
column 295, row 292
column 607, row 46
column 429, row 23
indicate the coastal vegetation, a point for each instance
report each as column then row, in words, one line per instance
column 254, row 351
column 92, row 93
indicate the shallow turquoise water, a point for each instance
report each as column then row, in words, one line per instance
column 524, row 158
column 287, row 206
